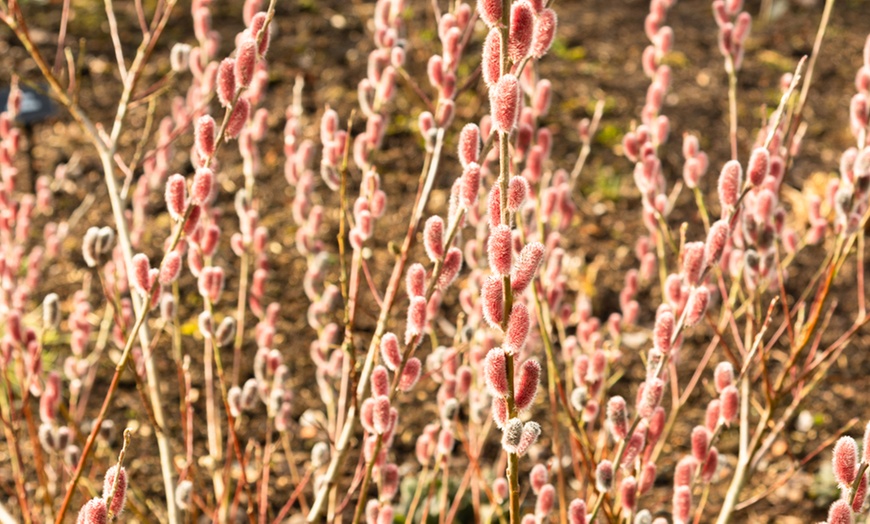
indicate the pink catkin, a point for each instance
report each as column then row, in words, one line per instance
column 663, row 331
column 840, row 513
column 176, row 195
column 628, row 492
column 693, row 262
column 723, row 376
column 521, row 31
column 171, row 268
column 499, row 250
column 546, row 499
column 604, row 476
column 381, row 414
column 544, row 33
column 380, row 381
column 517, row 191
column 531, row 432
column 93, row 512
column 415, row 280
column 238, row 118
column 492, row 300
column 200, row 190
column 495, row 369
column 527, row 265
column 499, row 411
column 119, row 496
column 527, row 388
column 759, row 166
column 652, row 395
column 258, row 22
column 710, row 466
column 697, row 305
column 504, row 100
column 411, row 374
column 451, row 267
column 700, row 441
column 577, row 512
column 469, row 145
column 205, row 136
column 511, row 435
column 490, row 12
column 682, row 504
column 711, row 418
column 845, row 461
column 390, row 351
column 616, row 414
column 716, row 240
column 730, row 180
column 416, row 318
column 433, row 238
column 470, row 185
column 728, row 405
column 518, row 328
column 647, row 478
column 141, row 270
column 491, row 59
column 226, row 81
column 246, row 60
column 538, row 477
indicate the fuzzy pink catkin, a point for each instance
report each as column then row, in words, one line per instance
column 700, row 441
column 205, row 136
column 511, row 435
column 495, row 370
column 711, row 417
column 504, row 101
column 433, row 238
column 710, row 466
column 682, row 504
column 663, row 331
column 647, row 478
column 176, row 194
column 759, row 166
column 469, row 145
column 470, row 185
column 518, row 328
column 604, row 476
column 141, row 270
column 411, row 374
column 845, row 461
column 93, row 512
column 538, row 477
column 518, row 188
column 728, row 405
column 492, row 301
column 716, row 240
column 527, row 388
column 697, row 305
column 415, row 280
column 616, row 414
column 652, row 395
column 544, row 33
column 416, row 318
column 693, row 262
column 381, row 414
column 499, row 411
column 840, row 513
column 200, row 190
column 238, row 118
column 499, row 250
column 491, row 59
column 258, row 22
column 390, row 351
column 119, row 496
column 380, row 381
column 628, row 492
column 527, row 265
column 490, row 12
column 521, row 31
column 577, row 512
column 546, row 499
column 246, row 60
column 730, row 180
column 171, row 268
column 531, row 432
column 723, row 376
column 226, row 81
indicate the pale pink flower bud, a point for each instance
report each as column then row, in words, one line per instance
column 469, row 145
column 94, row 512
column 491, row 58
column 415, row 281
column 226, row 82
column 628, row 493
column 711, row 418
column 700, row 441
column 499, row 411
column 171, row 268
column 504, row 100
column 381, row 414
column 840, row 513
column 682, row 504
column 411, row 374
column 470, row 185
column 119, row 496
column 258, row 22
column 693, row 262
column 522, row 29
column 652, row 395
column 538, row 477
column 716, row 240
column 618, row 417
column 527, row 389
column 495, row 370
column 724, row 376
column 246, row 60
column 380, row 381
column 445, row 442
column 518, row 328
column 697, row 305
column 200, row 190
column 647, row 478
column 544, row 33
column 450, row 268
column 389, row 482
column 759, row 166
column 390, row 351
column 635, row 444
column 492, row 299
column 663, row 331
column 512, row 434
column 604, row 476
column 141, row 270
column 545, row 502
column 494, row 205
column 531, row 432
column 433, row 238
column 527, row 266
column 490, row 12
column 577, row 512
column 238, row 118
column 518, row 188
column 205, row 136
column 710, row 465
column 176, row 195
column 416, row 318
column 730, row 180
column 845, row 461
column 499, row 250
column 685, row 470
column 728, row 405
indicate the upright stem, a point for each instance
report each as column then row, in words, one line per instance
column 732, row 107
